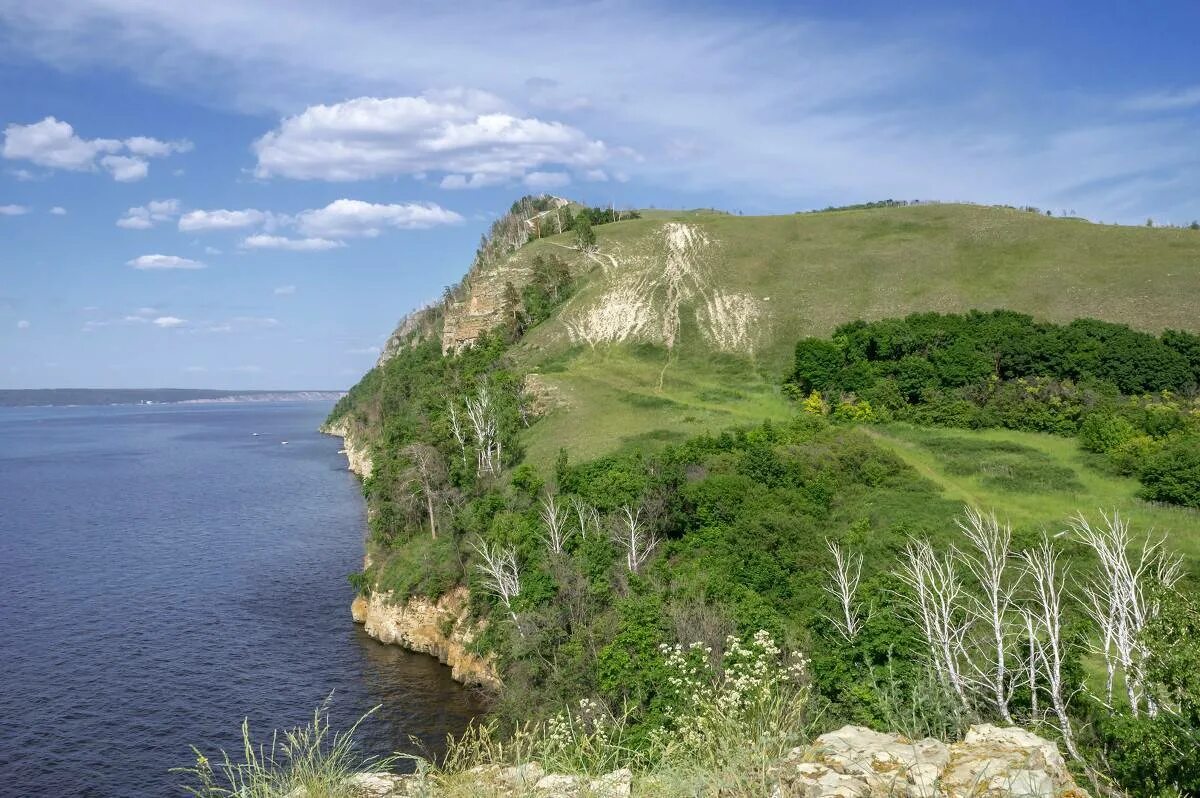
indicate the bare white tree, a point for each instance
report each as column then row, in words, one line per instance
column 586, row 515
column 937, row 603
column 1118, row 598
column 1047, row 580
column 503, row 578
column 457, row 431
column 482, row 415
column 987, row 559
column 634, row 537
column 554, row 517
column 844, row 577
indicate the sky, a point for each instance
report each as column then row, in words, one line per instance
column 250, row 193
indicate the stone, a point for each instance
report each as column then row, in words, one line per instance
column 617, row 784
column 557, row 784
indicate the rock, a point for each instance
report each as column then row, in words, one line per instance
column 556, row 784
column 523, row 777
column 379, row 785
column 617, row 784
column 990, row 762
column 439, row 628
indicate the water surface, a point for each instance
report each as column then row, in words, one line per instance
column 165, row 572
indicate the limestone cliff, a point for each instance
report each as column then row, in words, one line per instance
column 442, row 628
column 357, row 451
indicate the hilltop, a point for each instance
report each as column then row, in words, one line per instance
column 690, row 317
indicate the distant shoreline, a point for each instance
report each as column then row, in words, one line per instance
column 89, row 397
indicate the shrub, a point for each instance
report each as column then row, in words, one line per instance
column 1172, row 474
column 1103, row 432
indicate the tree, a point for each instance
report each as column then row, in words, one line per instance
column 428, row 475
column 554, row 518
column 502, row 578
column 817, row 364
column 635, row 537
column 585, row 237
column 844, row 577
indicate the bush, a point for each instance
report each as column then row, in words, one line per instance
column 1103, row 432
column 1172, row 474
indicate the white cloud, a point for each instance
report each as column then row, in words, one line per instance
column 58, row 210
column 23, row 324
column 348, row 218
column 55, row 145
column 221, row 219
column 596, row 175
column 125, row 169
column 463, row 134
column 540, row 181
column 164, row 262
column 156, row 148
column 167, row 322
column 364, row 350
column 291, row 244
column 285, row 290
column 146, row 216
column 211, row 251
column 13, row 210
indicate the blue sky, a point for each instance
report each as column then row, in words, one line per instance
column 249, row 194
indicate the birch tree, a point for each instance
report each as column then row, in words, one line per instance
column 481, row 414
column 634, row 537
column 502, row 577
column 554, row 519
column 1047, row 579
column 456, row 429
column 844, row 577
column 585, row 515
column 936, row 601
column 428, row 475
column 1117, row 596
column 987, row 559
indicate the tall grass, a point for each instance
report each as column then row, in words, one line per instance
column 310, row 760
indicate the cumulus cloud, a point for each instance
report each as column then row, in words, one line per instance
column 23, row 324
column 169, row 321
column 58, row 210
column 194, row 221
column 347, row 218
column 13, row 210
column 125, row 169
column 146, row 216
column 464, row 135
column 263, row 241
column 55, row 145
column 285, row 290
column 164, row 262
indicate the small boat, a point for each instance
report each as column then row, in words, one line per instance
column 341, row 451
column 255, row 434
column 284, row 443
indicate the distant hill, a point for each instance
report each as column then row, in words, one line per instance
column 121, row 396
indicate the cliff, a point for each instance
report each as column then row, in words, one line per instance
column 441, row 628
column 356, row 449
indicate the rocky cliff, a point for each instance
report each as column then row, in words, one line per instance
column 357, row 451
column 441, row 628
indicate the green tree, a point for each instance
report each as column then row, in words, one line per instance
column 585, row 236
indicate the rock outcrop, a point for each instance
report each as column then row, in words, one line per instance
column 358, row 453
column 991, row 761
column 440, row 628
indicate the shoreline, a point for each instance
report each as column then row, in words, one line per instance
column 441, row 628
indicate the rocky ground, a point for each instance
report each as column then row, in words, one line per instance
column 852, row 762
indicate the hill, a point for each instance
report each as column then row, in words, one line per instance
column 683, row 321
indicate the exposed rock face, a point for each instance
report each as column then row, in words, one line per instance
column 441, row 628
column 990, row 761
column 503, row 782
column 358, row 453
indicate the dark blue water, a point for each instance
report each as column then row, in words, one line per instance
column 163, row 573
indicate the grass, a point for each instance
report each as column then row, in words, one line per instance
column 1051, row 479
column 310, row 761
column 617, row 398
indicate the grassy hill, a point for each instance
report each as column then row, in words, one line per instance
column 685, row 321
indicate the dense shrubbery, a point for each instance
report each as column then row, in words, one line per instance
column 1128, row 395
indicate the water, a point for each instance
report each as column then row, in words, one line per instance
column 163, row 573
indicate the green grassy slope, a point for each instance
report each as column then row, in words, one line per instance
column 808, row 273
